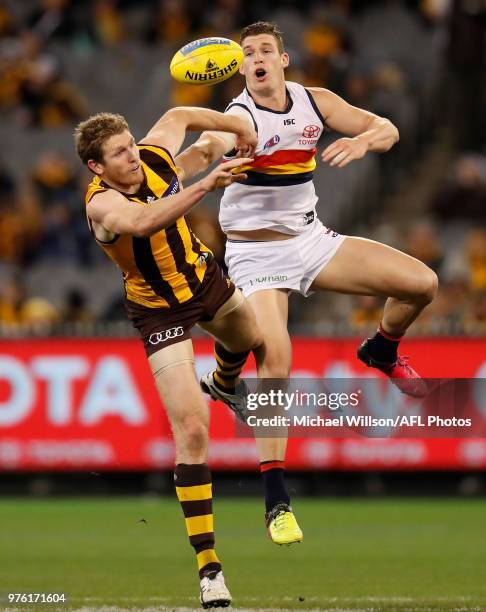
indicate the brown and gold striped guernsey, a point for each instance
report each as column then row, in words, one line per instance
column 167, row 268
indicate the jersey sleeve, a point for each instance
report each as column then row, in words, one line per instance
column 241, row 110
column 157, row 158
column 93, row 189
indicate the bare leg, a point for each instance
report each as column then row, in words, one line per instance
column 271, row 310
column 236, row 327
column 263, row 327
column 173, row 369
column 370, row 268
column 188, row 413
column 265, row 319
column 366, row 267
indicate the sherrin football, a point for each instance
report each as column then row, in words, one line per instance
column 206, row 61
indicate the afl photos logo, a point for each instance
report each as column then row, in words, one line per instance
column 311, row 131
column 167, row 334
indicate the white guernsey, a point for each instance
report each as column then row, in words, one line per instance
column 279, row 196
column 284, row 157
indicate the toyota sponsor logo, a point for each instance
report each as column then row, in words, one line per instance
column 311, row 131
column 166, row 334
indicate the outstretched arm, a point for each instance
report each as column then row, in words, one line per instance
column 117, row 215
column 211, row 146
column 170, row 130
column 365, row 131
column 208, row 148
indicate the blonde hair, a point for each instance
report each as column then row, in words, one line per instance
column 91, row 134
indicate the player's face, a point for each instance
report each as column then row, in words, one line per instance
column 121, row 160
column 263, row 64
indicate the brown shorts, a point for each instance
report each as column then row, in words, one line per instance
column 161, row 327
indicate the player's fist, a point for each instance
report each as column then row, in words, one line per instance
column 246, row 143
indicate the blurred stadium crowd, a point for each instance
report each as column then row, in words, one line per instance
column 420, row 63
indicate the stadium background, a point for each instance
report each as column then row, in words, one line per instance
column 78, row 410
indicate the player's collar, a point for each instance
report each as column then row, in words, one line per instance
column 288, row 108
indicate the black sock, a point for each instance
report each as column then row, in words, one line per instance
column 383, row 346
column 273, row 483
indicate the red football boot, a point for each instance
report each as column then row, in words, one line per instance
column 402, row 375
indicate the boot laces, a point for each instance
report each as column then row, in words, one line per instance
column 403, row 362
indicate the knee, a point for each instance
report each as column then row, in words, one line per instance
column 426, row 286
column 273, row 366
column 252, row 341
column 193, row 435
column 257, row 342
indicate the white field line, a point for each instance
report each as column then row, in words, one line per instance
column 369, row 599
column 336, row 604
column 381, row 608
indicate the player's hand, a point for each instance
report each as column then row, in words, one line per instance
column 222, row 175
column 344, row 150
column 246, row 143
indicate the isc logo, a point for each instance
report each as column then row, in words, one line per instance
column 289, row 121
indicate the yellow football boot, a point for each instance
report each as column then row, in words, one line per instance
column 282, row 526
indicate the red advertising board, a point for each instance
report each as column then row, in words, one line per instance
column 91, row 404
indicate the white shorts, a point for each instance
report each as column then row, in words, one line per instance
column 282, row 264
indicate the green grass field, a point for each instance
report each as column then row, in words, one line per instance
column 356, row 555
